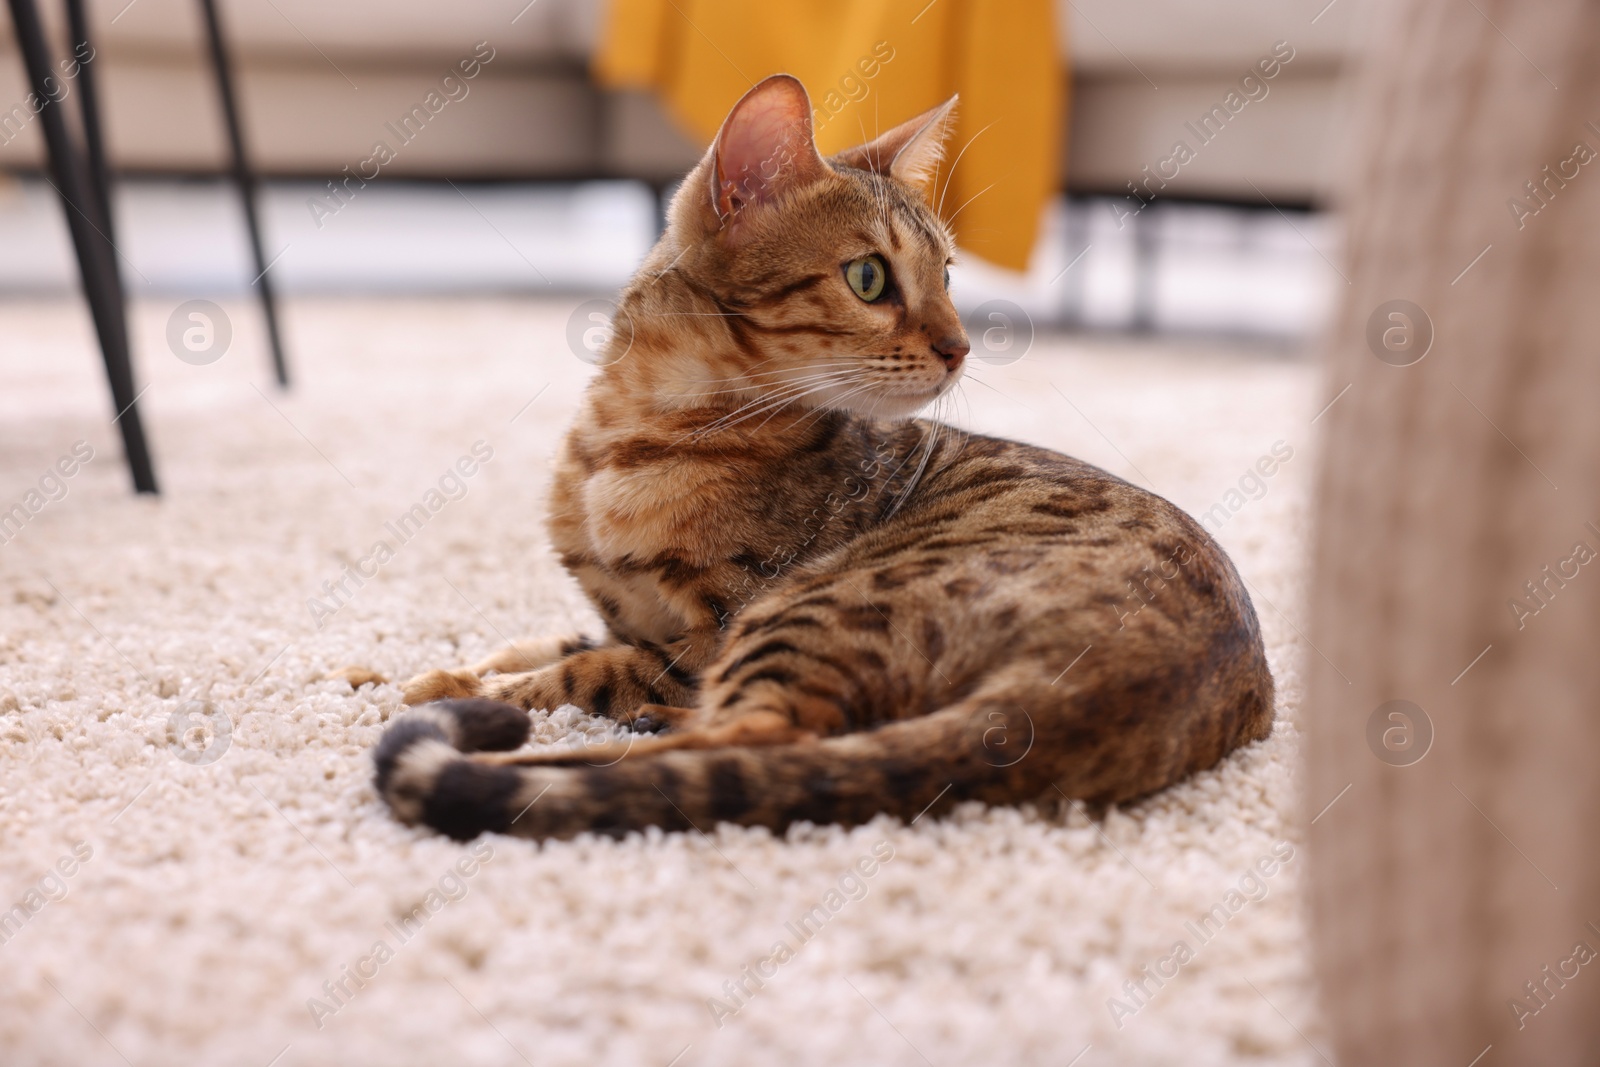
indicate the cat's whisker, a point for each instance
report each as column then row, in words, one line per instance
column 858, row 384
column 741, row 377
column 986, row 385
column 930, row 444
column 836, row 403
column 877, row 160
column 846, row 367
column 1000, row 392
column 783, row 388
column 949, row 178
column 961, row 392
column 750, row 379
column 752, row 374
column 762, row 404
column 815, row 390
column 970, row 199
column 778, row 409
column 878, row 194
column 695, row 315
column 759, row 406
column 813, row 415
column 736, row 377
column 764, row 390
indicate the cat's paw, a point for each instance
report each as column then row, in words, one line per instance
column 442, row 685
column 657, row 718
column 533, row 689
column 357, row 676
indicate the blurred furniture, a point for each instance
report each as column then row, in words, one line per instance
column 320, row 81
column 245, row 177
column 80, row 178
column 319, row 86
column 1455, row 888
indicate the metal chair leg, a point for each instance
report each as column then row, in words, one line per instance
column 89, row 106
column 1146, row 242
column 245, row 177
column 92, row 241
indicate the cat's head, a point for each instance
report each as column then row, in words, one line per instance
column 823, row 280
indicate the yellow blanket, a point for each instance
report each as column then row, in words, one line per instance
column 868, row 65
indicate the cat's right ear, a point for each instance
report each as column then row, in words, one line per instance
column 763, row 151
column 910, row 152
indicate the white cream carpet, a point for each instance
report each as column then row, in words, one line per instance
column 221, row 891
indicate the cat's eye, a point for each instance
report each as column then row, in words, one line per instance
column 947, row 277
column 867, row 277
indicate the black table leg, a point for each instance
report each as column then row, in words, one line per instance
column 246, row 179
column 97, row 261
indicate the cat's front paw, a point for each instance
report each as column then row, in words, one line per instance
column 442, row 685
column 357, row 677
column 657, row 718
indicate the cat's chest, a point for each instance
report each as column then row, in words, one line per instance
column 666, row 538
column 687, row 513
column 651, row 545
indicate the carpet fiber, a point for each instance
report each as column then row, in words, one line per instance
column 241, row 894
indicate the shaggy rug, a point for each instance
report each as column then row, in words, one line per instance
column 197, row 870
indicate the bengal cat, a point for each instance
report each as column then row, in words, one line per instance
column 823, row 608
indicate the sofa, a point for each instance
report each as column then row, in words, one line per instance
column 321, row 83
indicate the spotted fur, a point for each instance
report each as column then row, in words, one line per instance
column 824, row 608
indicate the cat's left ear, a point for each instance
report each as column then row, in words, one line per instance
column 910, row 152
column 764, row 149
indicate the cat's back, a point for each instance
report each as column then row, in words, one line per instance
column 1021, row 553
column 992, row 491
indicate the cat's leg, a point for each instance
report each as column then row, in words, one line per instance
column 433, row 685
column 740, row 705
column 532, row 653
column 796, row 670
column 613, row 681
column 793, row 670
column 528, row 654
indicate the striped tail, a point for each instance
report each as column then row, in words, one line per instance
column 903, row 769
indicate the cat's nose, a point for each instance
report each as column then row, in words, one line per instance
column 952, row 348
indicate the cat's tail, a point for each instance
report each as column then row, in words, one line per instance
column 905, row 769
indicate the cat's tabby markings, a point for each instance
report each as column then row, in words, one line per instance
column 828, row 608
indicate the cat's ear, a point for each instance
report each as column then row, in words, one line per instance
column 910, row 152
column 764, row 149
